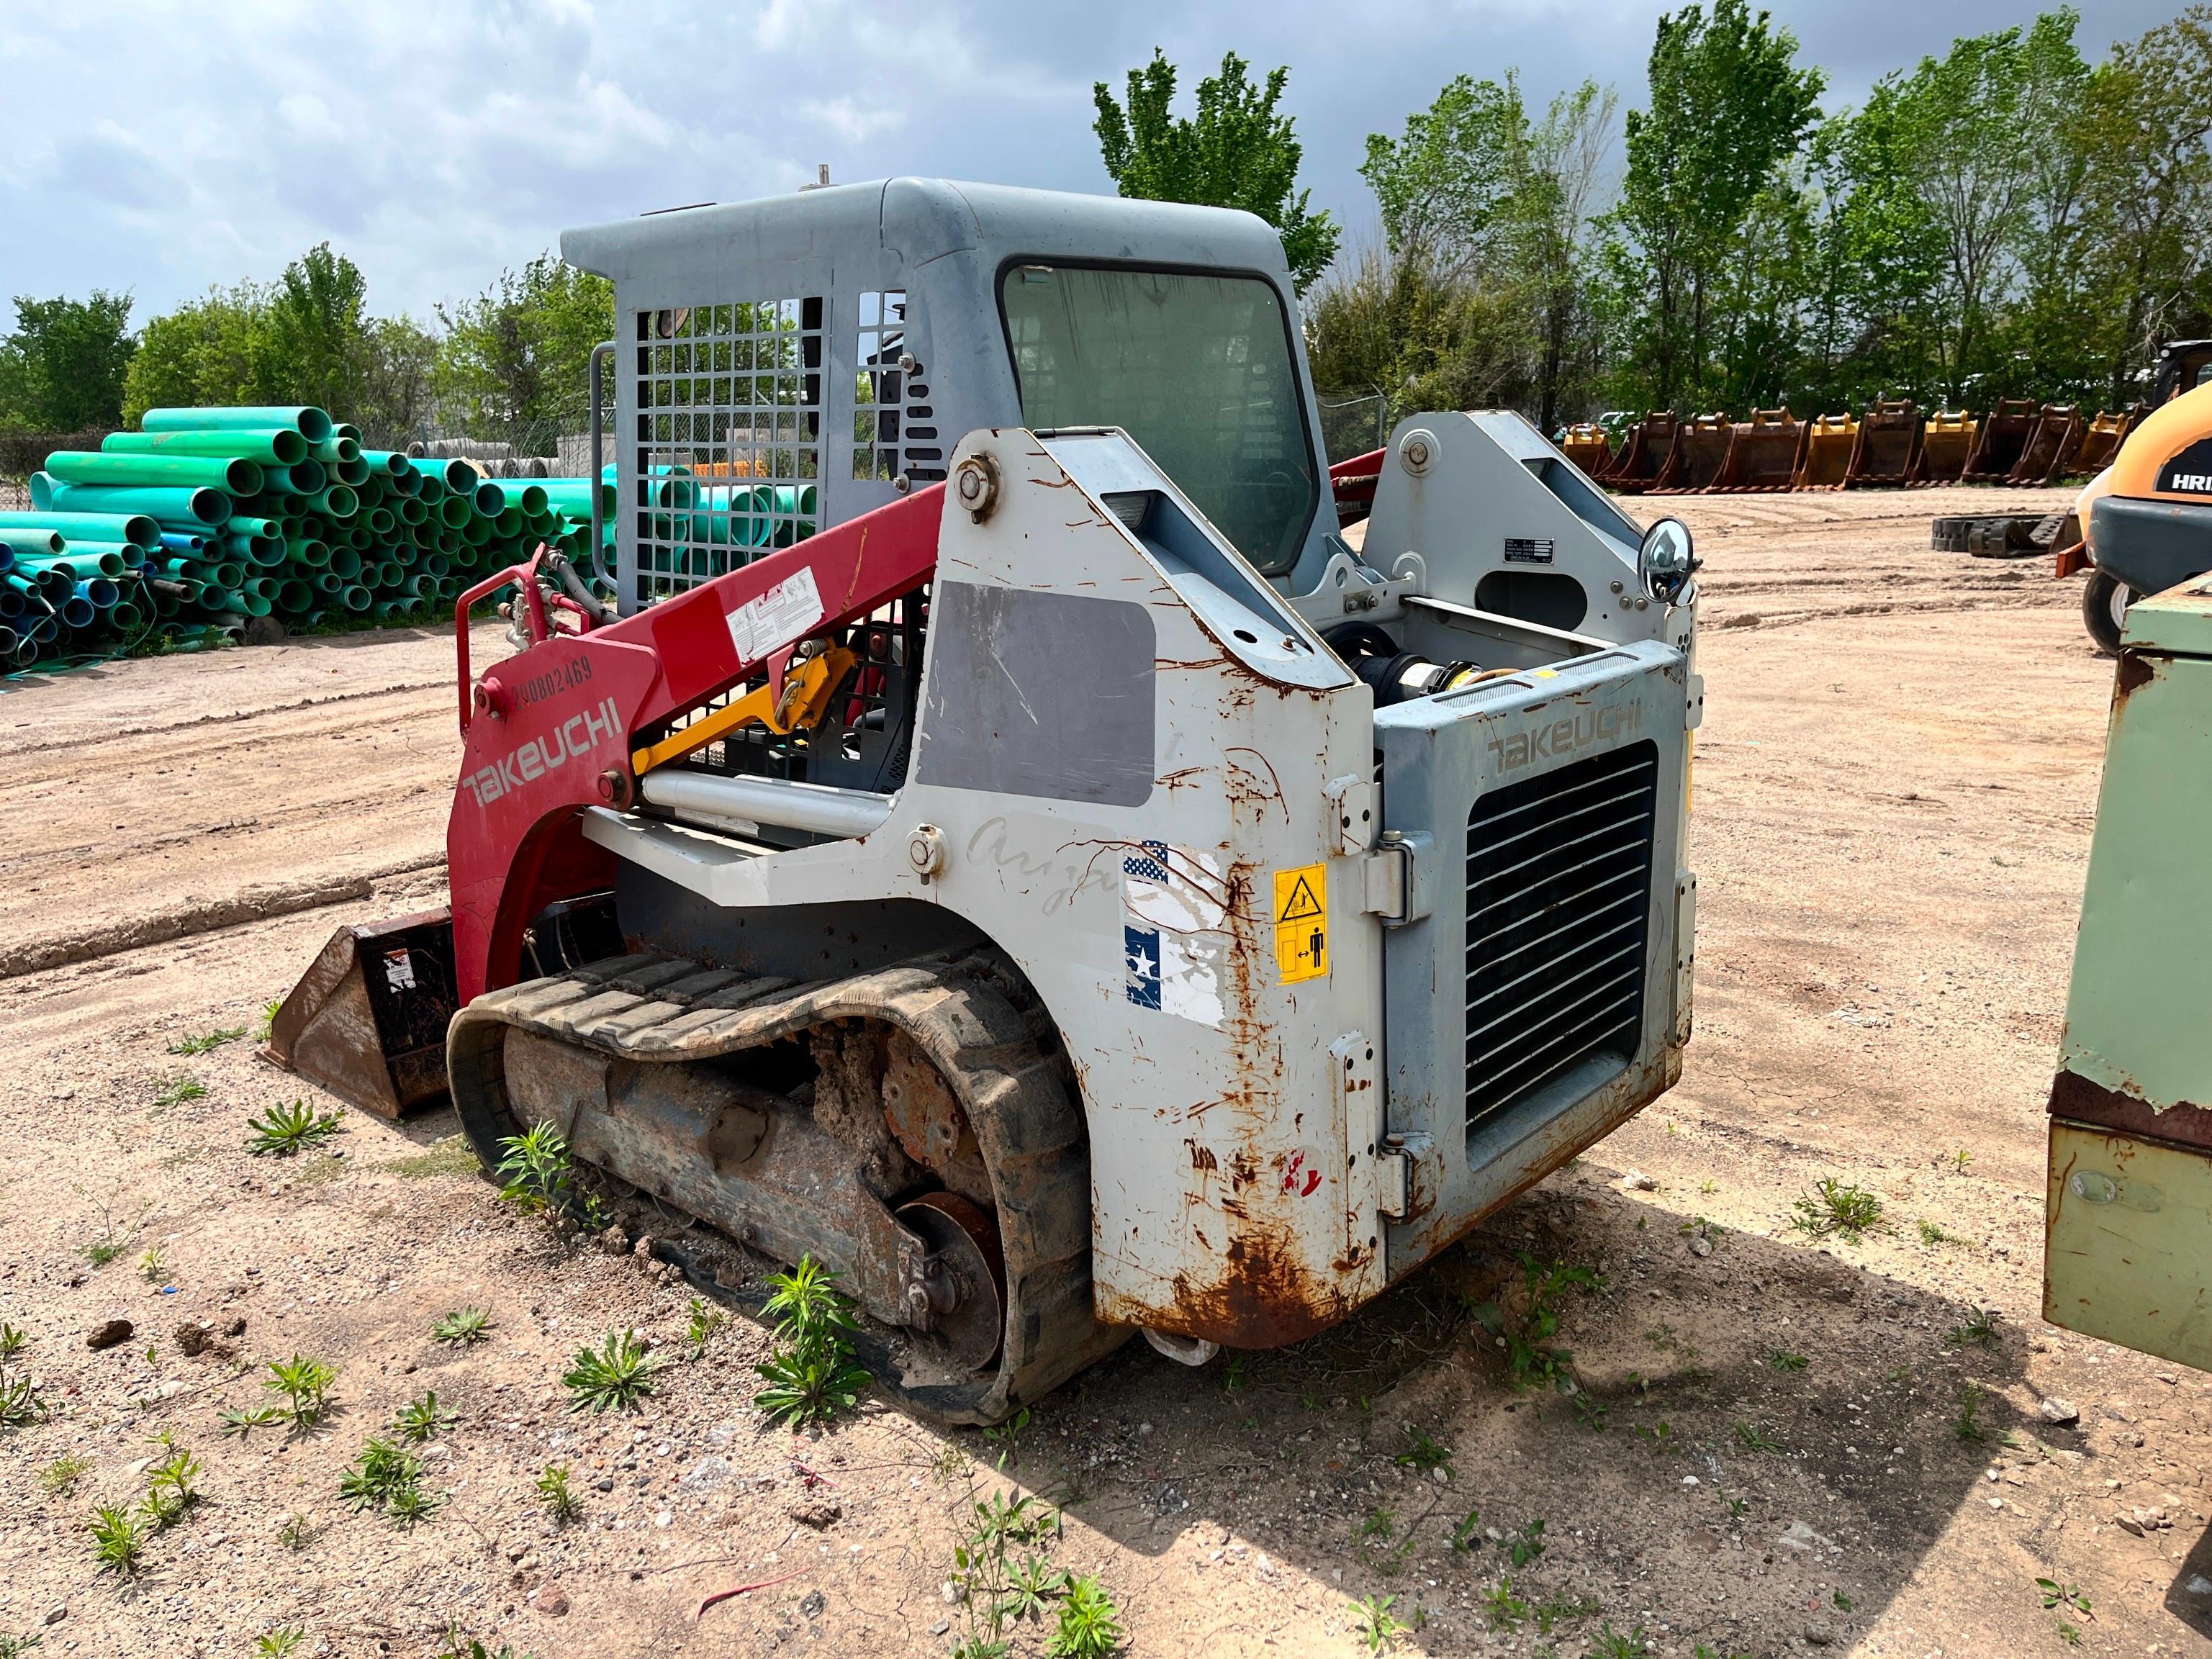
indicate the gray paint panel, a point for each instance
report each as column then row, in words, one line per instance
column 1048, row 695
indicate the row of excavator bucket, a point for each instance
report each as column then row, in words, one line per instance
column 2018, row 442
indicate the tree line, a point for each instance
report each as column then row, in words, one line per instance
column 510, row 360
column 2007, row 219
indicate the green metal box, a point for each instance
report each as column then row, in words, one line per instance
column 2128, row 1248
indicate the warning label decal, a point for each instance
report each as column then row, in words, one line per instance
column 1302, row 923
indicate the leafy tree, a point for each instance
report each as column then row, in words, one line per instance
column 207, row 351
column 397, row 397
column 519, row 353
column 1981, row 137
column 318, row 336
column 1566, row 155
column 1484, row 212
column 305, row 339
column 1730, row 110
column 1238, row 152
column 1448, row 187
column 1872, row 325
column 63, row 368
column 2144, row 127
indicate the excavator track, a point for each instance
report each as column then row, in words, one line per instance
column 643, row 1061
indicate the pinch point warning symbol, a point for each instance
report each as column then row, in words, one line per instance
column 1302, row 923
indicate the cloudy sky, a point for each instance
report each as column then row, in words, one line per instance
column 164, row 147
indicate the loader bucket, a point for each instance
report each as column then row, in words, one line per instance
column 367, row 1019
column 1763, row 453
column 1888, row 448
column 1701, row 447
column 1646, row 454
column 1587, row 448
column 1830, row 441
column 2050, row 445
column 2003, row 439
column 1946, row 444
column 2104, row 438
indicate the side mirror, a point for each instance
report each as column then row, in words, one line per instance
column 1666, row 560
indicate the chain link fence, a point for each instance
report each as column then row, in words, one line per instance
column 1354, row 423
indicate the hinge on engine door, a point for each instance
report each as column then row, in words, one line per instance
column 1686, row 950
column 1398, row 879
column 1379, row 1165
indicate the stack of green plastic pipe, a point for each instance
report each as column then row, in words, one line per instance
column 184, row 530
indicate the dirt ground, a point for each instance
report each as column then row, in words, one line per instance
column 1894, row 791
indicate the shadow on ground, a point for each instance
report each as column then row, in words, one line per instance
column 1785, row 1434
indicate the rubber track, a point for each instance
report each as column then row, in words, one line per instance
column 974, row 1020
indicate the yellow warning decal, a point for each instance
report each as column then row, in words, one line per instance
column 1302, row 923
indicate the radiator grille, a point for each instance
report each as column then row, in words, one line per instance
column 1559, row 882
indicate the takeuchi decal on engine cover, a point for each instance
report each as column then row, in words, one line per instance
column 530, row 759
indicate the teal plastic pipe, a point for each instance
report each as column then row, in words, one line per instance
column 238, row 477
column 30, row 542
column 336, row 500
column 84, row 559
column 136, row 528
column 353, row 473
column 572, row 497
column 496, row 495
column 455, row 473
column 278, row 445
column 300, row 478
column 336, row 447
column 310, row 423
column 389, row 462
column 356, row 598
column 183, row 509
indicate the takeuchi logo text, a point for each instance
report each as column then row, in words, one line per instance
column 574, row 739
column 1564, row 736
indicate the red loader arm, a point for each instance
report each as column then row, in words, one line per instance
column 548, row 731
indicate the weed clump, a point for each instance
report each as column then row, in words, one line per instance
column 384, row 1477
column 812, row 1376
column 462, row 1327
column 1532, row 1361
column 558, row 1496
column 287, row 1131
column 617, row 1374
column 1836, row 1208
column 304, row 1382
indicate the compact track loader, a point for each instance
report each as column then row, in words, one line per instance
column 1002, row 840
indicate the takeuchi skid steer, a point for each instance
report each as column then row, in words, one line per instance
column 1025, row 858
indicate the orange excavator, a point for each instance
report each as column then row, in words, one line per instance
column 2145, row 522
